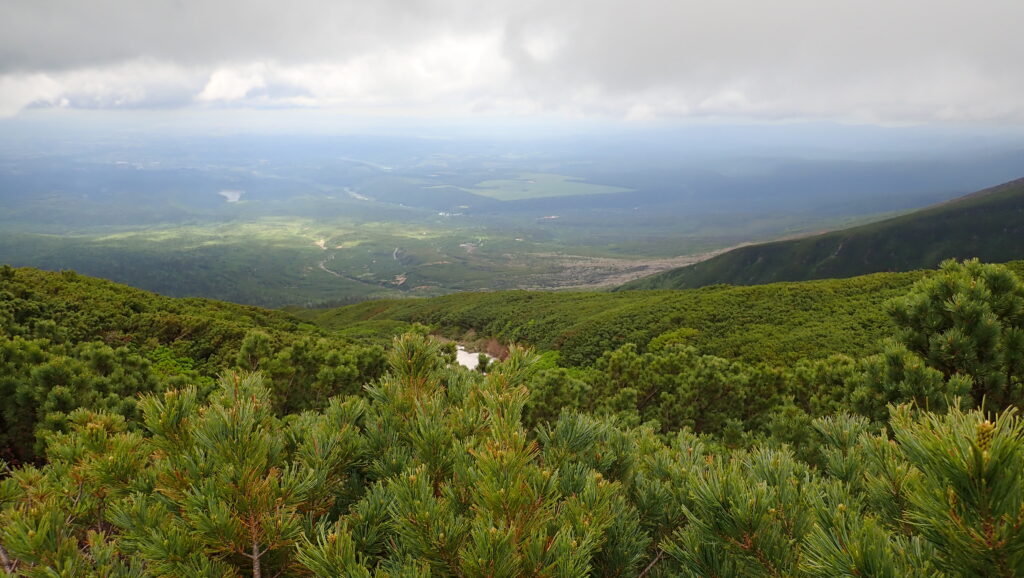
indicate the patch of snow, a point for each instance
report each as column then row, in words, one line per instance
column 468, row 359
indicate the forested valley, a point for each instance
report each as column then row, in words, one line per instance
column 149, row 436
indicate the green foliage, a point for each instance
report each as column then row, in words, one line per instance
column 747, row 517
column 959, row 339
column 227, row 483
column 308, row 372
column 42, row 383
column 255, row 348
column 553, row 390
column 332, row 553
column 968, row 321
column 896, row 376
column 679, row 388
column 483, row 361
column 775, row 324
column 940, row 500
column 969, row 500
column 434, row 473
column 225, row 487
column 68, row 341
column 339, row 460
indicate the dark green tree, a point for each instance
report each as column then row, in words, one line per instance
column 968, row 320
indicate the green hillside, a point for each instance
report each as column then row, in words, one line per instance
column 68, row 341
column 122, row 456
column 778, row 322
column 988, row 225
column 784, row 321
column 145, row 436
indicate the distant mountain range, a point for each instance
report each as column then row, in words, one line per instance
column 987, row 224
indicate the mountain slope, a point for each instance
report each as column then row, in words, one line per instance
column 776, row 323
column 988, row 224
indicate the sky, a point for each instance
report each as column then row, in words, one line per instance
column 887, row 62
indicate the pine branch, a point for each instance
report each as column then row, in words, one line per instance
column 642, row 404
column 652, row 564
column 74, row 504
column 256, row 573
column 6, row 561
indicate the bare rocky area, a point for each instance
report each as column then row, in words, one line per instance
column 582, row 272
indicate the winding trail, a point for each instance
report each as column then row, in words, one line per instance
column 322, row 265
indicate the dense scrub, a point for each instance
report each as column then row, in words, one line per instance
column 662, row 462
column 777, row 323
column 780, row 323
column 70, row 341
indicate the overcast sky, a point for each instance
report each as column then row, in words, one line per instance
column 870, row 61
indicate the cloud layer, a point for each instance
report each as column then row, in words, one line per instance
column 865, row 60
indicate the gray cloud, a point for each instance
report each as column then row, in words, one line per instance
column 61, row 34
column 868, row 60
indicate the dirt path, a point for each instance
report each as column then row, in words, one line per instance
column 322, row 265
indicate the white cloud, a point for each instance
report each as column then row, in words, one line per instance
column 544, row 45
column 20, row 90
column 870, row 60
column 443, row 68
column 232, row 84
column 138, row 83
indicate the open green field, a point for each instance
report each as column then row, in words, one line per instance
column 336, row 259
column 313, row 225
column 278, row 261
